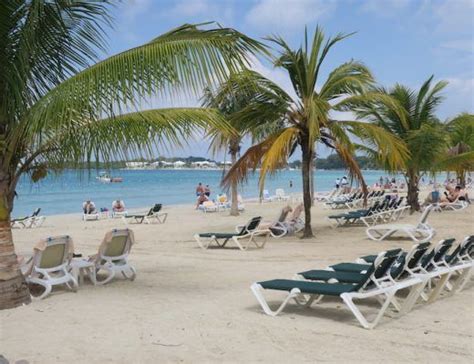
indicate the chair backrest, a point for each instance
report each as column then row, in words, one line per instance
column 386, row 262
column 119, row 244
column 411, row 262
column 222, row 198
column 284, row 213
column 251, row 225
column 460, row 250
column 55, row 254
column 425, row 214
column 157, row 207
column 36, row 212
column 437, row 253
column 280, row 192
column 379, row 268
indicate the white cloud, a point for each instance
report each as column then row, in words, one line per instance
column 459, row 96
column 465, row 45
column 211, row 10
column 287, row 14
column 454, row 15
column 385, row 8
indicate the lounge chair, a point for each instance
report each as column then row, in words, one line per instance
column 266, row 197
column 48, row 266
column 280, row 195
column 119, row 213
column 94, row 215
column 248, row 232
column 112, row 256
column 153, row 215
column 208, row 206
column 223, row 202
column 419, row 233
column 456, row 205
column 240, row 203
column 28, row 222
column 367, row 286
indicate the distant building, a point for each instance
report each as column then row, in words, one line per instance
column 137, row 165
column 204, row 165
column 179, row 164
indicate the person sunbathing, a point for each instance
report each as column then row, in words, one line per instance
column 89, row 207
column 201, row 199
column 118, row 206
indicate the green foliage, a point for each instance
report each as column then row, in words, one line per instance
column 57, row 107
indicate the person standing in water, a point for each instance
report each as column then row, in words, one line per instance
column 291, row 183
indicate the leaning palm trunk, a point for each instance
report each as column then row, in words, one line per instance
column 13, row 288
column 234, row 208
column 306, row 173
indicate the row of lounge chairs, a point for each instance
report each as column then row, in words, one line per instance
column 380, row 212
column 254, row 233
column 424, row 272
column 221, row 204
column 154, row 215
column 53, row 263
column 353, row 200
column 28, row 222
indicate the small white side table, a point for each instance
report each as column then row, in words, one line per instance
column 79, row 267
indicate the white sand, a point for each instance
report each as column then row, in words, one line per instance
column 190, row 305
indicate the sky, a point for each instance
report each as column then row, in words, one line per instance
column 401, row 41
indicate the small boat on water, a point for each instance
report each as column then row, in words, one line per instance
column 105, row 177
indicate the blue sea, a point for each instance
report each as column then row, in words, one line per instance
column 64, row 193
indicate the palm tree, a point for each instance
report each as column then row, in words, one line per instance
column 230, row 98
column 55, row 107
column 410, row 115
column 307, row 119
column 460, row 154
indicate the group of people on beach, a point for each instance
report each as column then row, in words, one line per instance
column 203, row 194
column 88, row 207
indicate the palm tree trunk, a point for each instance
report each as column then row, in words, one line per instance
column 412, row 190
column 13, row 288
column 312, row 182
column 234, row 207
column 306, row 171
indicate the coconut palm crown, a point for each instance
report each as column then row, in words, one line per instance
column 307, row 119
column 57, row 106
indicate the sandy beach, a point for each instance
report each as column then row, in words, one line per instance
column 190, row 305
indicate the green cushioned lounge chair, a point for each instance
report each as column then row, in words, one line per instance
column 306, row 292
column 153, row 215
column 248, row 232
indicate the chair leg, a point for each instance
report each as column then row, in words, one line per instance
column 347, row 298
column 258, row 292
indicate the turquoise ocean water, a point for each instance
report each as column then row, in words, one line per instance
column 66, row 192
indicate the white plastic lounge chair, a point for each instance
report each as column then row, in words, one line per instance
column 265, row 196
column 326, row 197
column 113, row 255
column 119, row 213
column 280, row 195
column 456, row 205
column 153, row 215
column 419, row 233
column 249, row 233
column 369, row 285
column 28, row 222
column 223, row 202
column 92, row 216
column 208, row 206
column 49, row 265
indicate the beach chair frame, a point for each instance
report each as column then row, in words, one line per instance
column 248, row 233
column 114, row 265
column 52, row 276
column 384, row 295
column 419, row 233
